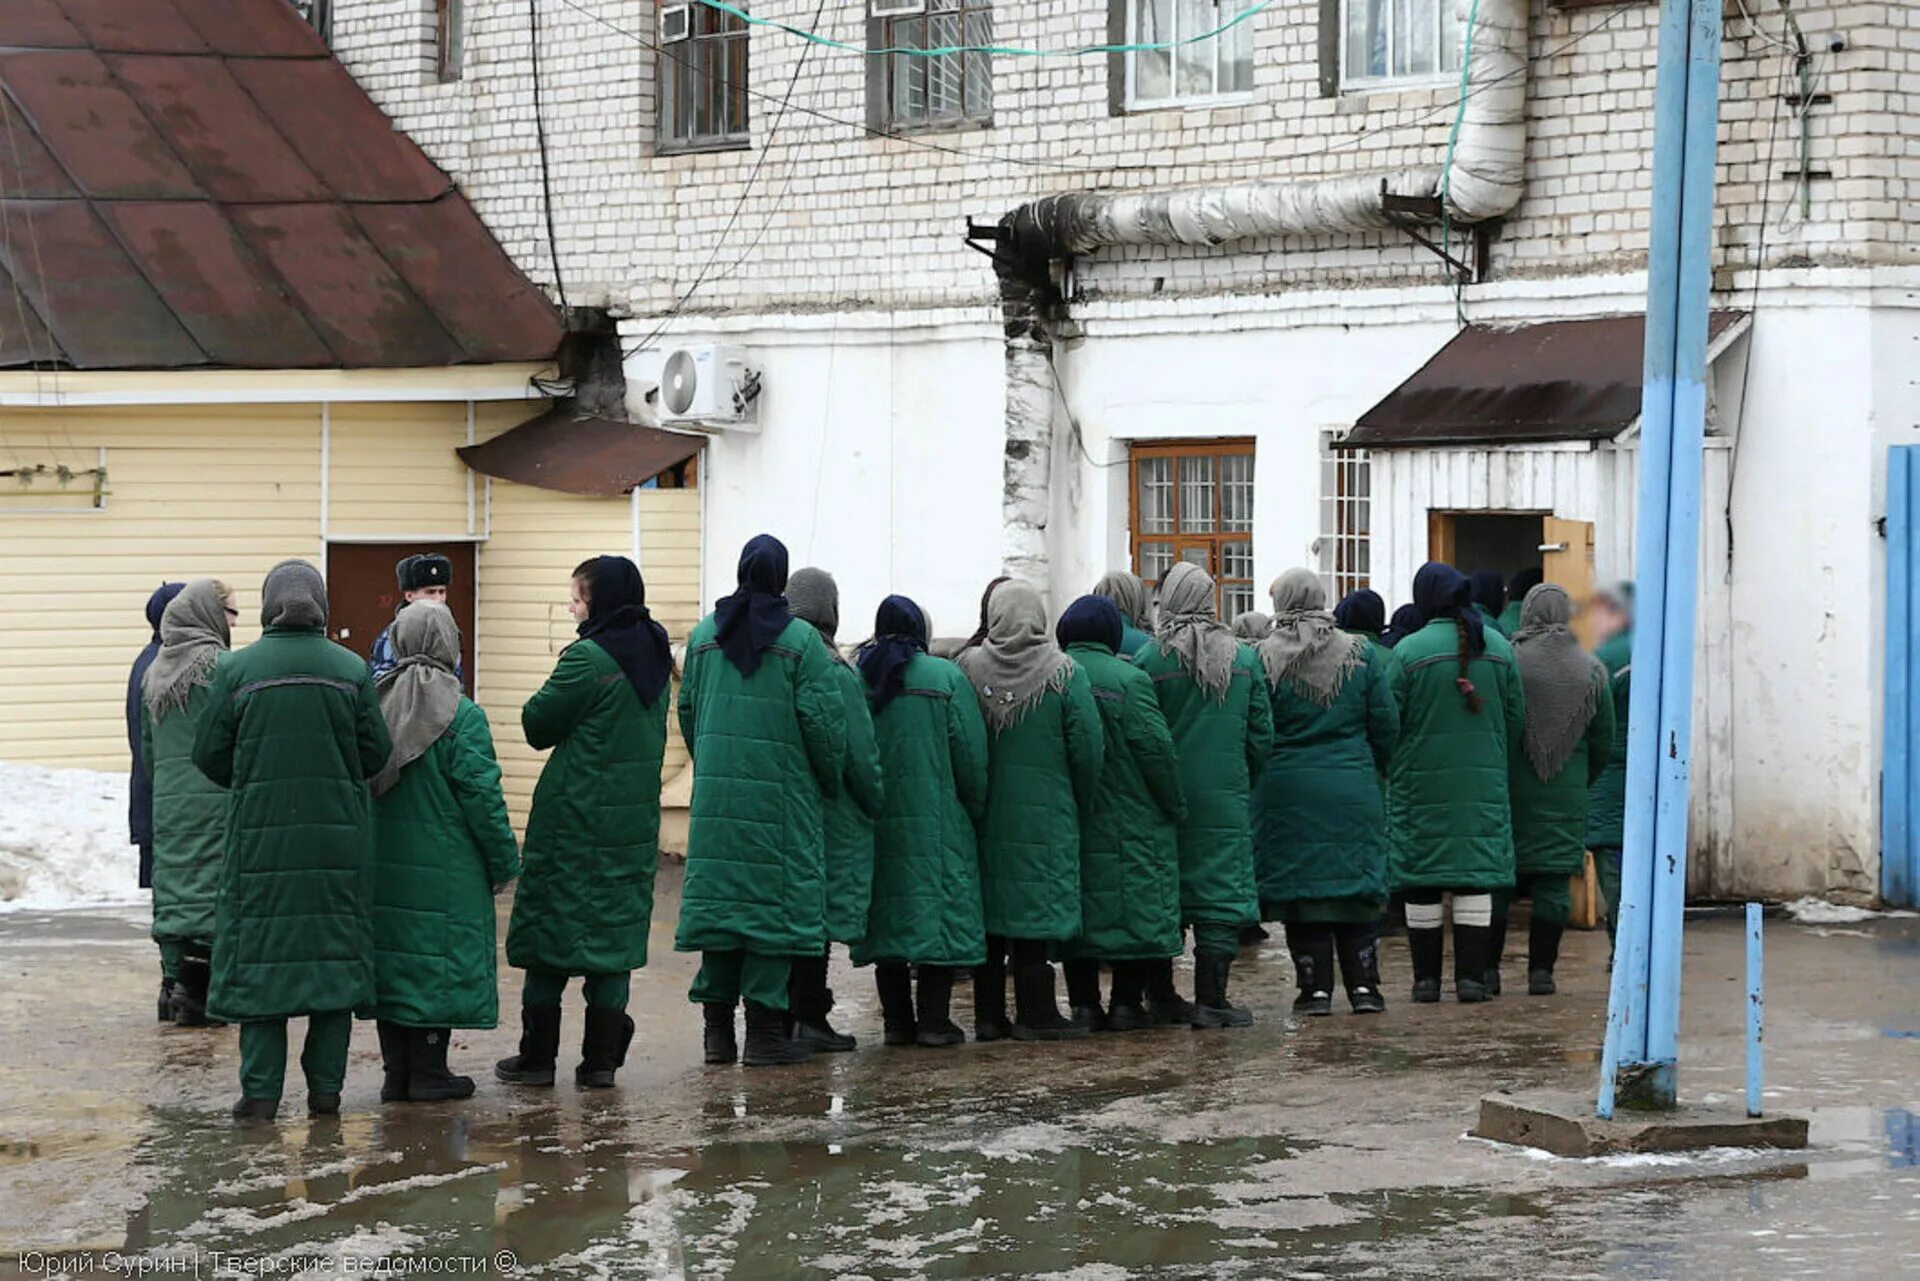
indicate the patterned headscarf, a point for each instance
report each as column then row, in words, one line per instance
column 1189, row 629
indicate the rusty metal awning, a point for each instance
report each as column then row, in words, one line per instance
column 579, row 453
column 1560, row 380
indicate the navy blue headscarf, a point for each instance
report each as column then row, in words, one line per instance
column 899, row 632
column 1362, row 611
column 1441, row 591
column 618, row 622
column 1489, row 588
column 1091, row 619
column 1406, row 621
column 1523, row 582
column 754, row 616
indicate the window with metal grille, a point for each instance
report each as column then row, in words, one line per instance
column 449, row 39
column 910, row 91
column 703, row 79
column 1193, row 500
column 1188, row 70
column 1400, row 42
column 1346, row 517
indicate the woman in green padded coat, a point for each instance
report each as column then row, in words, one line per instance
column 585, row 902
column 442, row 849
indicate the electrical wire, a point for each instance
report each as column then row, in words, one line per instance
column 546, row 171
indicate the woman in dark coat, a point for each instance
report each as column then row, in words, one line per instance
column 1319, row 826
column 140, row 783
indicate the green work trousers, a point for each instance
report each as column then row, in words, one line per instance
column 1211, row 936
column 726, row 977
column 1552, row 897
column 263, row 1054
column 171, row 952
column 603, row 991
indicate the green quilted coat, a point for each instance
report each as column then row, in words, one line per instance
column 1132, row 640
column 1448, row 811
column 189, row 822
column 442, row 843
column 1042, row 772
column 585, row 900
column 1550, row 818
column 1319, row 822
column 767, row 749
column 926, row 874
column 1222, row 749
column 1509, row 620
column 1607, row 801
column 1130, row 843
column 848, row 818
column 293, row 730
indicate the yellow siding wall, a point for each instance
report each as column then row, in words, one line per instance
column 192, row 491
column 395, row 474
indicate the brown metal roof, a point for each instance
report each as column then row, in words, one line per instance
column 1560, row 380
column 197, row 183
column 578, row 453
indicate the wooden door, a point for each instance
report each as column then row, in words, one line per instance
column 1566, row 558
column 362, row 593
column 1441, row 541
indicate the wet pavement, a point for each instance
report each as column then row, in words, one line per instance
column 1324, row 1148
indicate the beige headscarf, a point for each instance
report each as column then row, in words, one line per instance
column 1128, row 592
column 194, row 632
column 1561, row 680
column 421, row 695
column 1018, row 662
column 1189, row 629
column 1306, row 651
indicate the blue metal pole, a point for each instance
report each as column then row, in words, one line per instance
column 1756, row 1010
column 1898, row 869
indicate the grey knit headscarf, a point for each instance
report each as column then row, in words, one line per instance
column 812, row 595
column 294, row 595
column 420, row 695
column 1563, row 682
column 1189, row 629
column 194, row 632
column 1128, row 592
column 1251, row 625
column 1306, row 651
column 1018, row 662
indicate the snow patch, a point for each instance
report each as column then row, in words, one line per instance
column 63, row 839
column 1817, row 911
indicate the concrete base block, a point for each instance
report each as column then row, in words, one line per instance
column 1564, row 1124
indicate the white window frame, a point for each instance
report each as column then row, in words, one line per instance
column 1341, row 574
column 1175, row 100
column 1372, row 84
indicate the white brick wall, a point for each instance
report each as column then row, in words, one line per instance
column 841, row 218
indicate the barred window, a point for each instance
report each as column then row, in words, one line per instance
column 1346, row 517
column 1193, row 501
column 915, row 91
column 703, row 78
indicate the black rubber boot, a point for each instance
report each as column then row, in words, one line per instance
column 323, row 1104
column 539, row 1047
column 256, row 1109
column 428, row 1080
column 1165, row 1006
column 893, row 980
column 768, row 1044
column 1496, row 950
column 809, row 1001
column 1470, row 944
column 1312, row 949
column 936, row 1029
column 1083, row 994
column 603, row 1047
column 166, row 1000
column 190, row 990
column 1428, row 949
column 393, row 1061
column 1127, row 1011
column 718, row 1039
column 1037, row 1017
column 1543, row 953
column 1253, row 935
column 1360, row 967
column 1211, row 1008
column 990, row 1022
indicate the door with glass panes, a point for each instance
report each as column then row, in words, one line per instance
column 1192, row 500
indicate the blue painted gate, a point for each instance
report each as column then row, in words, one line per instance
column 1900, row 768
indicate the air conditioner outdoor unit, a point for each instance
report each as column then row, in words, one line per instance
column 897, row 8
column 709, row 385
column 676, row 22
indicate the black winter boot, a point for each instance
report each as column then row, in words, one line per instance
column 1496, row 950
column 809, row 1001
column 768, row 1044
column 1360, row 967
column 256, row 1109
column 1083, row 994
column 718, row 1040
column 539, row 1047
column 166, row 1000
column 936, row 1029
column 1165, row 1006
column 603, row 1047
column 1543, row 953
column 1428, row 948
column 393, row 1061
column 428, row 1080
column 323, row 1104
column 1126, row 1011
column 990, row 1021
column 1312, row 949
column 1211, row 1008
column 1470, row 952
column 1037, row 1017
column 1253, row 935
column 893, row 980
column 190, row 990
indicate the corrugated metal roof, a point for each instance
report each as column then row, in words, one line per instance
column 578, row 453
column 194, row 183
column 1559, row 380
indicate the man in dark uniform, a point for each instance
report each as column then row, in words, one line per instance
column 424, row 577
